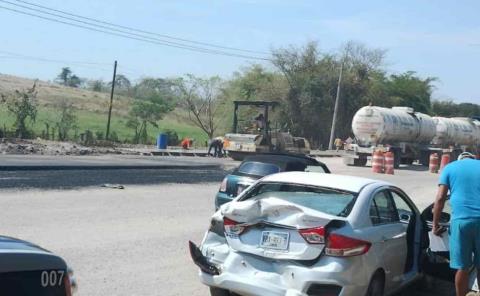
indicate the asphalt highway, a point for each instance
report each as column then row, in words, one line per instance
column 66, row 172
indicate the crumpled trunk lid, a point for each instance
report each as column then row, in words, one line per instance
column 272, row 228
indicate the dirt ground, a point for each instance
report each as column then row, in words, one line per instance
column 134, row 241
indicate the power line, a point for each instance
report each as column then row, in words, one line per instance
column 87, row 65
column 115, row 30
column 51, row 60
column 144, row 31
column 83, row 64
column 134, row 36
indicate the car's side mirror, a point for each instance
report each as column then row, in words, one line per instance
column 405, row 217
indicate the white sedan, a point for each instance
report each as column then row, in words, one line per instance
column 299, row 234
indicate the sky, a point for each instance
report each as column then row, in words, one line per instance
column 434, row 38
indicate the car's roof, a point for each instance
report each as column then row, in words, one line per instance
column 341, row 182
column 281, row 158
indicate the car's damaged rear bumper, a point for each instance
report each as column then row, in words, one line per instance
column 251, row 275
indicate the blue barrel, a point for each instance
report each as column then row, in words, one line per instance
column 162, row 141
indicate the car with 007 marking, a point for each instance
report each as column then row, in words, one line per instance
column 303, row 233
column 29, row 270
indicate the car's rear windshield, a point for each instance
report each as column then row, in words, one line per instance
column 326, row 200
column 258, row 168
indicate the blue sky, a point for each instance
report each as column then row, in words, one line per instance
column 435, row 38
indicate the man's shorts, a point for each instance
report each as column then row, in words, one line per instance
column 464, row 243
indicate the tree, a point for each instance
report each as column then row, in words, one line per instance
column 251, row 84
column 201, row 98
column 97, row 85
column 312, row 78
column 74, row 81
column 409, row 90
column 122, row 83
column 67, row 120
column 64, row 76
column 153, row 99
column 67, row 78
column 23, row 106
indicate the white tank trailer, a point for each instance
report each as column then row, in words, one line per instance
column 410, row 135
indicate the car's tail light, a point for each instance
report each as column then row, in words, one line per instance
column 232, row 227
column 313, row 235
column 69, row 282
column 223, row 186
column 343, row 246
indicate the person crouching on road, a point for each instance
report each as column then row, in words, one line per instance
column 462, row 178
column 217, row 146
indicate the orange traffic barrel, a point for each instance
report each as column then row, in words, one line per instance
column 389, row 163
column 433, row 165
column 445, row 160
column 378, row 162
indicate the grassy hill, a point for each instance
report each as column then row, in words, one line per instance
column 91, row 110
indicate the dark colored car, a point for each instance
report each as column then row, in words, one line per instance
column 29, row 270
column 256, row 167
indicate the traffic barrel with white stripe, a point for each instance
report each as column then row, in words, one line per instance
column 389, row 162
column 378, row 161
column 433, row 164
column 445, row 160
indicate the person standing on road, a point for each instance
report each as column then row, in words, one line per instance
column 462, row 178
column 338, row 143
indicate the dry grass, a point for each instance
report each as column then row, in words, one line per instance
column 49, row 94
column 91, row 109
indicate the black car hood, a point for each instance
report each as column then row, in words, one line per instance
column 20, row 255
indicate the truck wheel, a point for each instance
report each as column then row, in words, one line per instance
column 408, row 161
column 361, row 161
column 219, row 292
column 425, row 158
column 377, row 284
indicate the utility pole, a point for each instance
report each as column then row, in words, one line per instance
column 111, row 100
column 335, row 110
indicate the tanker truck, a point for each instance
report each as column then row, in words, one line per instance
column 410, row 135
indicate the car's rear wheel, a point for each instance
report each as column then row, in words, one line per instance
column 219, row 292
column 377, row 285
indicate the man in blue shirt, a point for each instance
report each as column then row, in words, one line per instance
column 462, row 178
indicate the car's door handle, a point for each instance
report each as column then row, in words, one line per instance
column 400, row 235
column 385, row 238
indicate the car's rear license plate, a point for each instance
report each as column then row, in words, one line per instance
column 274, row 240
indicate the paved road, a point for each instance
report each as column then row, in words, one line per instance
column 63, row 172
column 134, row 241
column 43, row 162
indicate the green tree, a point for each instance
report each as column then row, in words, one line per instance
column 74, row 81
column 153, row 99
column 64, row 76
column 97, row 85
column 122, row 83
column 67, row 119
column 407, row 89
column 67, row 78
column 23, row 106
column 312, row 78
column 252, row 83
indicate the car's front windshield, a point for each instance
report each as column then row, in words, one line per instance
column 326, row 200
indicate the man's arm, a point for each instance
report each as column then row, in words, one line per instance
column 438, row 207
